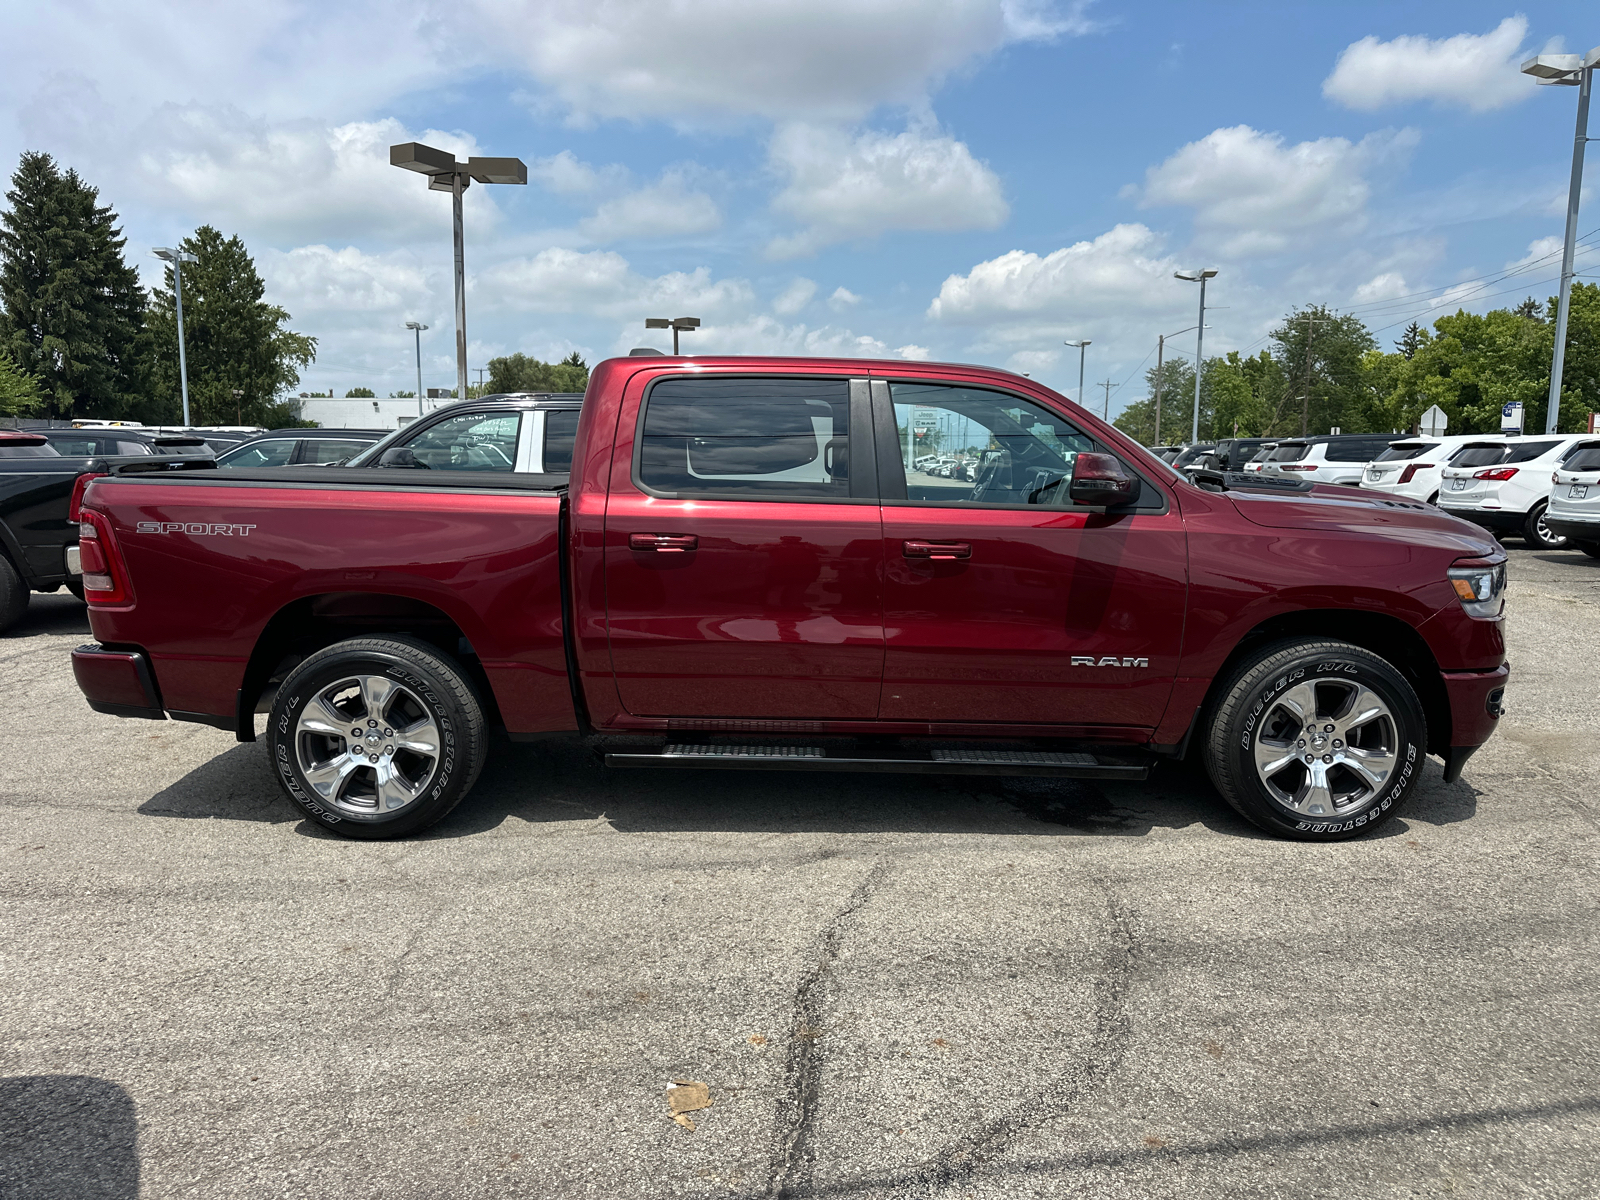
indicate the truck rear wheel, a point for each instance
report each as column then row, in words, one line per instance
column 377, row 737
column 1316, row 740
column 13, row 594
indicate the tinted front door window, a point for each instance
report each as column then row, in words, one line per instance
column 274, row 453
column 470, row 442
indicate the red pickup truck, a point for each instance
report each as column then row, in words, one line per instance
column 800, row 564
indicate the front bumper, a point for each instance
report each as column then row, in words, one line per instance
column 1477, row 699
column 118, row 682
column 1488, row 518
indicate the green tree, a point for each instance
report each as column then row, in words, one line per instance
column 1138, row 419
column 71, row 309
column 519, row 373
column 1528, row 308
column 1410, row 341
column 1321, row 354
column 235, row 340
column 19, row 391
column 360, row 394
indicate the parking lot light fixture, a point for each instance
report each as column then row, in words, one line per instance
column 177, row 258
column 1572, row 71
column 445, row 174
column 676, row 324
column 1199, row 277
column 417, row 329
column 1084, row 344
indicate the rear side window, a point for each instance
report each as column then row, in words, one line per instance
column 777, row 438
column 76, row 447
column 322, row 451
column 272, row 453
column 1528, row 451
column 1361, row 451
column 560, row 427
column 132, row 448
column 470, row 442
column 1404, row 450
column 1288, row 452
column 1477, row 456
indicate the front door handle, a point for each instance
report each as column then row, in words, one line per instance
column 664, row 543
column 937, row 551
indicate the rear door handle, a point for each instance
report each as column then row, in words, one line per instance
column 937, row 551
column 664, row 543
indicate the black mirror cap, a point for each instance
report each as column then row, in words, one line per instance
column 399, row 456
column 1098, row 480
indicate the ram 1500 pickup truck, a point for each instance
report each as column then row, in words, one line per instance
column 750, row 566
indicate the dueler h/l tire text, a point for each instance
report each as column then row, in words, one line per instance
column 377, row 737
column 1317, row 740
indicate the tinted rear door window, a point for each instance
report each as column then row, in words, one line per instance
column 1528, row 451
column 1478, row 456
column 484, row 441
column 560, row 427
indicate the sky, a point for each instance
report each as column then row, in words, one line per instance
column 960, row 180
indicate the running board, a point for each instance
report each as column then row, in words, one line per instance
column 937, row 762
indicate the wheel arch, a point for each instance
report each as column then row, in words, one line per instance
column 1388, row 637
column 309, row 623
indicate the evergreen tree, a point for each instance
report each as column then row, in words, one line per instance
column 19, row 391
column 235, row 340
column 1410, row 341
column 71, row 308
column 1529, row 308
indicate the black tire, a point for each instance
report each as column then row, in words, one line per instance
column 13, row 595
column 423, row 741
column 1536, row 533
column 1592, row 549
column 1255, row 709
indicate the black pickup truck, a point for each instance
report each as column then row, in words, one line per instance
column 39, row 489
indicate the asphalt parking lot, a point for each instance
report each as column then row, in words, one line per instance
column 890, row 986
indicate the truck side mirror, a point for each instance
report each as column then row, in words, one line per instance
column 1099, row 480
column 401, row 456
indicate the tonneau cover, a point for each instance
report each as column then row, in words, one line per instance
column 393, row 478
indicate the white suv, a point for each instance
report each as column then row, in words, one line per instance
column 1410, row 466
column 1330, row 458
column 1574, row 511
column 1505, row 485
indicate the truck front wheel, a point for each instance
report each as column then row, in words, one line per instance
column 1316, row 740
column 377, row 737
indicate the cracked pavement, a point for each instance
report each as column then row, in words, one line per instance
column 892, row 986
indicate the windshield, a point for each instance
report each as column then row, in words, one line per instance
column 1288, row 452
column 1191, row 454
column 15, row 451
column 1399, row 451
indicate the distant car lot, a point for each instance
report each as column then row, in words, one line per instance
column 891, row 986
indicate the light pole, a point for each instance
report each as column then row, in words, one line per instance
column 445, row 174
column 177, row 258
column 417, row 329
column 676, row 324
column 1577, row 72
column 1199, row 338
column 1161, row 352
column 1081, row 347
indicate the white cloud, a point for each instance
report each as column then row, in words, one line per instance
column 914, row 352
column 1478, row 71
column 842, row 299
column 761, row 334
column 1252, row 194
column 322, row 280
column 1386, row 286
column 732, row 59
column 602, row 283
column 1116, row 272
column 566, row 175
column 794, row 297
column 843, row 187
column 663, row 210
column 1539, row 248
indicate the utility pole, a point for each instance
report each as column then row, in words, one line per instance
column 1305, row 395
column 1106, row 412
column 480, row 371
column 1161, row 348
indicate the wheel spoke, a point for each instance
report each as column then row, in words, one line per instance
column 327, row 779
column 420, row 737
column 393, row 791
column 1273, row 756
column 1372, row 765
column 1363, row 706
column 317, row 717
column 1317, row 800
column 376, row 693
column 1301, row 701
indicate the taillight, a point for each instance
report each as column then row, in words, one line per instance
column 1298, row 467
column 75, row 505
column 1411, row 469
column 1480, row 584
column 1496, row 474
column 105, row 579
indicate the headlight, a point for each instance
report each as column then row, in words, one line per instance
column 1480, row 584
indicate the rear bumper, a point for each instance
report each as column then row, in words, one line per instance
column 1488, row 518
column 1477, row 698
column 118, row 682
column 1578, row 531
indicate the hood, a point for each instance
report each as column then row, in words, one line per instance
column 1349, row 510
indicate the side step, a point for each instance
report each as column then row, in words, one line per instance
column 936, row 762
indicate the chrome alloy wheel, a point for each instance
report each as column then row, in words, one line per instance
column 1326, row 747
column 1548, row 536
column 367, row 745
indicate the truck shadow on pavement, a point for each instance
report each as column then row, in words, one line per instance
column 560, row 782
column 58, row 613
column 67, row 1137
